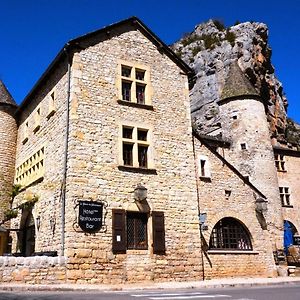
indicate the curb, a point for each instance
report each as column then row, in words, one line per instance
column 213, row 284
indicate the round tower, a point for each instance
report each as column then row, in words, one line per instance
column 8, row 137
column 244, row 122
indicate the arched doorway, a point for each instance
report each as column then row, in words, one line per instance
column 28, row 234
column 289, row 234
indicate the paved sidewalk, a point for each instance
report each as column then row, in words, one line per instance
column 214, row 283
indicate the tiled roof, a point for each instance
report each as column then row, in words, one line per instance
column 5, row 96
column 237, row 84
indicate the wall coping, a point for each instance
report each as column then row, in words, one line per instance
column 33, row 261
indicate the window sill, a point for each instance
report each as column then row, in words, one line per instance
column 288, row 206
column 137, row 251
column 281, row 171
column 134, row 104
column 137, row 170
column 232, row 252
column 205, row 178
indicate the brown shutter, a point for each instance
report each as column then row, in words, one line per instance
column 118, row 231
column 158, row 222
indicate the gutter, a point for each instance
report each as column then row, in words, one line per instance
column 63, row 186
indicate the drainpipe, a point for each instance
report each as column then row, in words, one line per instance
column 198, row 199
column 63, row 186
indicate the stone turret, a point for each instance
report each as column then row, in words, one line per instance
column 244, row 122
column 8, row 136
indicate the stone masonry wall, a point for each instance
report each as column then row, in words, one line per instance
column 32, row 270
column 51, row 136
column 240, row 204
column 291, row 178
column 8, row 132
column 244, row 122
column 95, row 150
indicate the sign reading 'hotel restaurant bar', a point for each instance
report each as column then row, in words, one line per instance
column 90, row 216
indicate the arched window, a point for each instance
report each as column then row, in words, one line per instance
column 230, row 234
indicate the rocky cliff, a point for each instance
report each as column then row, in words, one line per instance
column 209, row 50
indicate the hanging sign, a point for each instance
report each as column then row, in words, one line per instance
column 90, row 216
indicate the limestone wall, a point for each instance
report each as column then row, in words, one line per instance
column 290, row 178
column 51, row 137
column 94, row 163
column 223, row 194
column 32, row 270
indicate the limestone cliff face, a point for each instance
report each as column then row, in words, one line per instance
column 209, row 50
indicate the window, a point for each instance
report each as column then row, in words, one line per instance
column 129, row 231
column 31, row 169
column 135, row 146
column 203, row 166
column 37, row 120
column 134, row 84
column 285, row 196
column 51, row 108
column 243, row 146
column 25, row 133
column 137, row 230
column 280, row 162
column 229, row 234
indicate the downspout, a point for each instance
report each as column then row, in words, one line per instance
column 63, row 186
column 199, row 211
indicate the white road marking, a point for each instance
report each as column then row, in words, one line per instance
column 163, row 294
column 190, row 297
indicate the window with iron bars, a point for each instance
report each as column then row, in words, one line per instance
column 137, row 231
column 229, row 234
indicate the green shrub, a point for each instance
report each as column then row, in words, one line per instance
column 219, row 24
column 230, row 37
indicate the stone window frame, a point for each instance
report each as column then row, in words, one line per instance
column 204, row 167
column 285, row 196
column 280, row 162
column 25, row 132
column 51, row 103
column 135, row 142
column 31, row 169
column 132, row 79
column 37, row 119
column 229, row 234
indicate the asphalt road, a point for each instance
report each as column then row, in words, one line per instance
column 284, row 292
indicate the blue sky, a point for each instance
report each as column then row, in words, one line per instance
column 33, row 31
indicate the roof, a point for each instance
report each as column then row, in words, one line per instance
column 74, row 45
column 286, row 151
column 5, row 96
column 237, row 84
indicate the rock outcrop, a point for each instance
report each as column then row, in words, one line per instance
column 209, row 50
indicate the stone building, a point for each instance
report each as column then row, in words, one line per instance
column 110, row 180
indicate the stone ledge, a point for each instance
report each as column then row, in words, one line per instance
column 134, row 104
column 34, row 261
column 137, row 170
column 232, row 252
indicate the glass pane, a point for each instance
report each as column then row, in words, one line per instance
column 142, row 135
column 140, row 93
column 142, row 156
column 126, row 71
column 140, row 74
column 127, row 154
column 127, row 132
column 126, row 91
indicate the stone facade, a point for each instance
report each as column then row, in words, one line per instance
column 110, row 116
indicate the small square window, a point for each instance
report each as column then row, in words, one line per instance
column 140, row 75
column 126, row 71
column 142, row 135
column 243, row 146
column 127, row 132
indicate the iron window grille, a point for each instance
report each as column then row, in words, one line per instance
column 137, row 231
column 229, row 234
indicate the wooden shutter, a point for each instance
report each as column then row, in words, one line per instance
column 118, row 231
column 158, row 223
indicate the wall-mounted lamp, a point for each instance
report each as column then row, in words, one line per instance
column 140, row 193
column 38, row 222
column 261, row 205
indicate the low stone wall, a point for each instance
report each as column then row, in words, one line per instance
column 33, row 270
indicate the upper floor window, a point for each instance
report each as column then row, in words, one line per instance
column 134, row 84
column 230, row 234
column 51, row 106
column 37, row 120
column 135, row 146
column 203, row 166
column 31, row 169
column 25, row 133
column 285, row 196
column 280, row 162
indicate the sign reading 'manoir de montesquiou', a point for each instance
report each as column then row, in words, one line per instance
column 90, row 216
